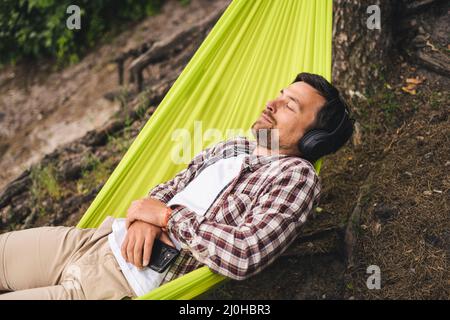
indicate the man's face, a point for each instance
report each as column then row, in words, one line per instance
column 293, row 113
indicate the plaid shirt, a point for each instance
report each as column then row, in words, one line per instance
column 251, row 222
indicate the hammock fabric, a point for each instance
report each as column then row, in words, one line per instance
column 255, row 49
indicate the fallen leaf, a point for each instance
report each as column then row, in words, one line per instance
column 410, row 91
column 414, row 80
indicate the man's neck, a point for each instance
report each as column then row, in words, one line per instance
column 262, row 151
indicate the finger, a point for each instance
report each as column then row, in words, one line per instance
column 138, row 248
column 148, row 246
column 130, row 248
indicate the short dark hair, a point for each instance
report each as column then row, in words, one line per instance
column 332, row 112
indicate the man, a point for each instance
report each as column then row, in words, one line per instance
column 235, row 208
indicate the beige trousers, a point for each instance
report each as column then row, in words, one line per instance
column 61, row 263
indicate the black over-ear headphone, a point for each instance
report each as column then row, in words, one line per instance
column 318, row 142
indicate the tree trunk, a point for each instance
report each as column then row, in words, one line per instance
column 360, row 54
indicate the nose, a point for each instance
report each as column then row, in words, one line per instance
column 270, row 107
column 273, row 105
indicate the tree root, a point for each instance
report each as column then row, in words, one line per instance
column 353, row 223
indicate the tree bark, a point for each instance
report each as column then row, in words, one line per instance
column 360, row 54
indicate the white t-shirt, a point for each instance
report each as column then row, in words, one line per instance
column 198, row 196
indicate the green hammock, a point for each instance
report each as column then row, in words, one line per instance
column 255, row 49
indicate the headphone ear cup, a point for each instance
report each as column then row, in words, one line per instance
column 305, row 141
column 313, row 144
column 317, row 142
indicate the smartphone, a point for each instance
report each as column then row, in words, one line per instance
column 163, row 256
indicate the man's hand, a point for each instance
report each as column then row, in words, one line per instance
column 138, row 243
column 148, row 210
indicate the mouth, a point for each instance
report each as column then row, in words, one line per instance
column 265, row 117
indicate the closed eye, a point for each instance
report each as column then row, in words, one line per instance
column 292, row 99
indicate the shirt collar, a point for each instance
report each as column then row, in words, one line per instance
column 253, row 162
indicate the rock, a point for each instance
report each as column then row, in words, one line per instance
column 4, row 216
column 95, row 138
column 17, row 211
column 72, row 202
column 15, row 187
column 50, row 157
column 30, row 219
column 71, row 169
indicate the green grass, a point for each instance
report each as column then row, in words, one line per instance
column 44, row 188
column 185, row 2
column 95, row 172
column 45, row 183
column 389, row 104
column 120, row 144
column 436, row 100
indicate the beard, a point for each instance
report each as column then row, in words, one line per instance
column 266, row 135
